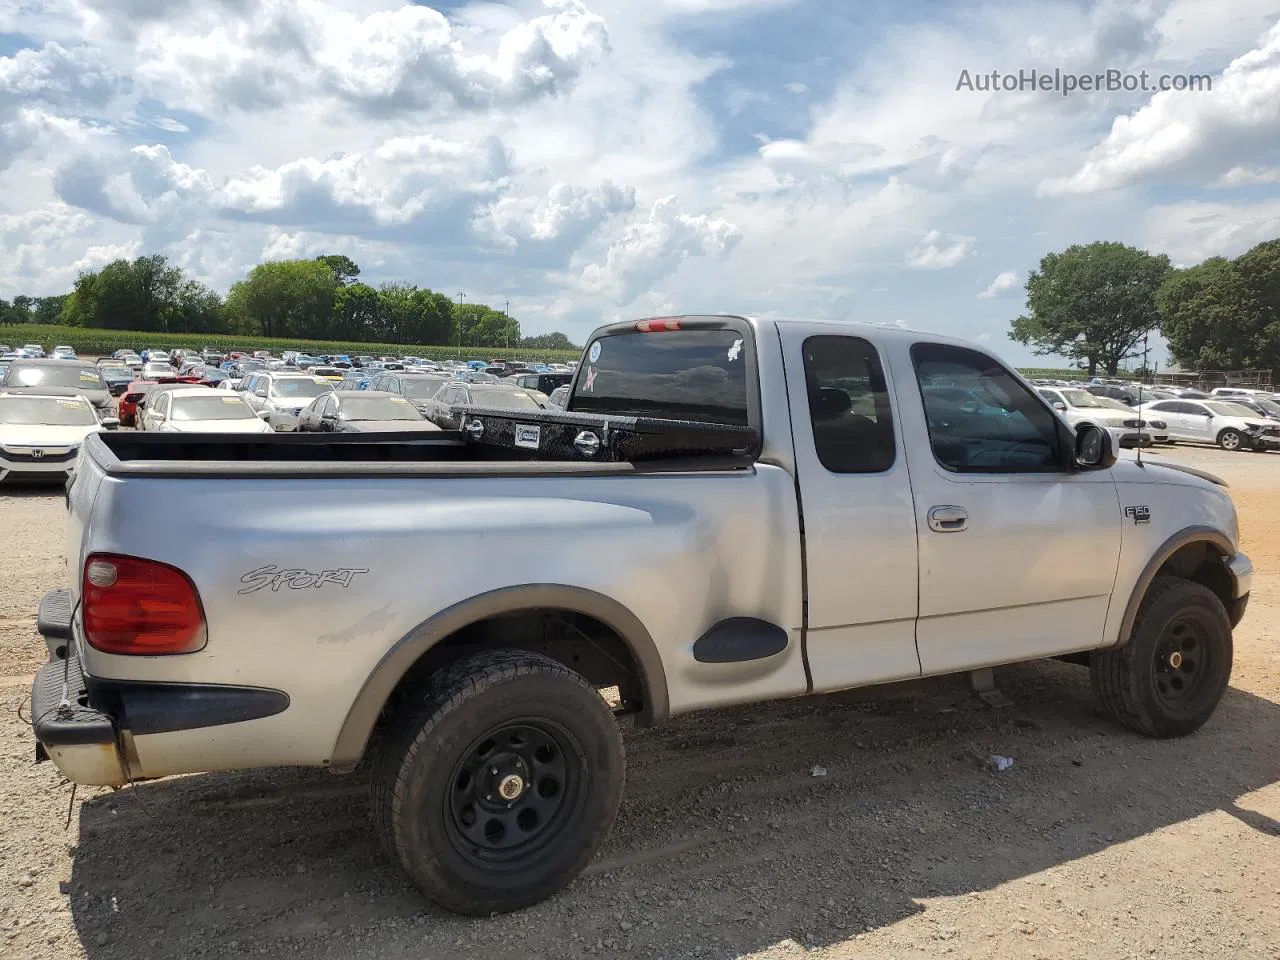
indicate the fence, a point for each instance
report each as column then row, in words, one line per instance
column 1208, row 379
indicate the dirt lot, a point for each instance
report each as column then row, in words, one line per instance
column 1096, row 843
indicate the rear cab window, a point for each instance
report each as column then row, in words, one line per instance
column 671, row 368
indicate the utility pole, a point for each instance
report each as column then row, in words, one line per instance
column 506, row 321
column 457, row 326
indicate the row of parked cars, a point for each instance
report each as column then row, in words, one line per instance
column 1233, row 418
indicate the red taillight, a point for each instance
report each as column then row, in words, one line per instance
column 658, row 324
column 135, row 606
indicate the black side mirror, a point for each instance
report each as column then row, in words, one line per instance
column 1095, row 449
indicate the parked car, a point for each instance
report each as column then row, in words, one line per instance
column 497, row 767
column 1229, row 425
column 1124, row 424
column 415, row 387
column 40, row 436
column 63, row 352
column 154, row 369
column 1225, row 392
column 196, row 409
column 546, row 383
column 116, row 375
column 33, row 351
column 208, row 375
column 441, row 411
column 1262, row 406
column 558, row 398
column 127, row 408
column 64, row 378
column 282, row 395
column 1126, row 395
column 331, row 373
column 361, row 411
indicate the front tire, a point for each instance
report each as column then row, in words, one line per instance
column 1232, row 440
column 498, row 785
column 1168, row 679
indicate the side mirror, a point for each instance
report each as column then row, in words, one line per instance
column 261, row 392
column 264, row 414
column 1060, row 407
column 110, row 423
column 1095, row 449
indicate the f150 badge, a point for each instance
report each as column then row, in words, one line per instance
column 1138, row 514
column 275, row 578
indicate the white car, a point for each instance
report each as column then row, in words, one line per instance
column 64, row 352
column 281, row 395
column 155, row 369
column 1224, row 392
column 1123, row 423
column 40, row 436
column 1158, row 429
column 1229, row 425
column 202, row 410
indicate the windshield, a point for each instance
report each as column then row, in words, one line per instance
column 1081, row 398
column 67, row 378
column 517, row 399
column 1231, row 410
column 299, row 387
column 422, row 389
column 114, row 370
column 379, row 408
column 32, row 411
column 1270, row 406
column 680, row 375
column 211, row 408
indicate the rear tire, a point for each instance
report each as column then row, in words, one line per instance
column 1232, row 440
column 476, row 841
column 1168, row 679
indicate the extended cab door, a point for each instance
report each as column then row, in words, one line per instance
column 1018, row 551
column 859, row 517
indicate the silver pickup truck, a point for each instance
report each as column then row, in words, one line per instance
column 469, row 621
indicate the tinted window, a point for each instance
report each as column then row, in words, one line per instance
column 981, row 419
column 848, row 405
column 680, row 375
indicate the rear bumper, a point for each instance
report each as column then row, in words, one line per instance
column 85, row 725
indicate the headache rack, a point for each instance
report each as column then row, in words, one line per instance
column 602, row 438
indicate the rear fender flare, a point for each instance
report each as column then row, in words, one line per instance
column 356, row 729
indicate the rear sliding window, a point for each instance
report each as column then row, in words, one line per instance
column 671, row 375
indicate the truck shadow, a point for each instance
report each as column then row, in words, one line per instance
column 809, row 820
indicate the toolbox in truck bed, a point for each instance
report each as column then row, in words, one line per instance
column 601, row 438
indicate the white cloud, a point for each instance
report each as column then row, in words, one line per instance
column 649, row 249
column 382, row 62
column 1189, row 130
column 935, row 252
column 1003, row 283
column 796, row 88
column 1191, row 231
column 1248, row 176
column 170, row 125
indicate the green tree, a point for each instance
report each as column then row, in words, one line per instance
column 1092, row 303
column 549, row 341
column 411, row 314
column 355, row 312
column 16, row 312
column 481, row 326
column 49, row 309
column 143, row 294
column 345, row 270
column 284, row 298
column 1225, row 314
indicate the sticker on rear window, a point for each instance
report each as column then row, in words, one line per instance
column 528, row 435
column 319, row 379
column 594, row 355
column 232, row 400
column 71, row 403
column 91, row 377
column 398, row 400
column 589, row 385
column 736, row 350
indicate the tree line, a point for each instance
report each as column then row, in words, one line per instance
column 320, row 299
column 1096, row 303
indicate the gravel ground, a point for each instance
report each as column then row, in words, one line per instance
column 1095, row 843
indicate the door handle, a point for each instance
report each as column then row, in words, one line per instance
column 948, row 519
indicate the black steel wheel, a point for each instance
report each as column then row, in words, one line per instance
column 1168, row 679
column 497, row 784
column 511, row 790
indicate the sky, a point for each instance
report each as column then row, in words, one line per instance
column 596, row 160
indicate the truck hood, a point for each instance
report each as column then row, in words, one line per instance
column 42, row 435
column 1150, row 470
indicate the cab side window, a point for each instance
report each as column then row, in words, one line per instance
column 981, row 418
column 849, row 408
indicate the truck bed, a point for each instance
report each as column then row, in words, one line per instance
column 344, row 455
